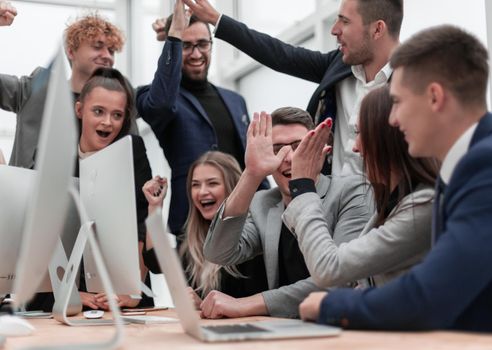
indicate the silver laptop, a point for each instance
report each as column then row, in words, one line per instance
column 173, row 271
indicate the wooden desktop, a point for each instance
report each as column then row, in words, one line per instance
column 171, row 336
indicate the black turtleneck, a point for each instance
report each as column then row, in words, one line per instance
column 228, row 140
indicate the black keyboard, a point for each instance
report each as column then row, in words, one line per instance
column 235, row 328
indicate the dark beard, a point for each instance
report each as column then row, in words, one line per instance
column 193, row 84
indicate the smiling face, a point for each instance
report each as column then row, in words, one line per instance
column 352, row 35
column 412, row 114
column 91, row 55
column 196, row 63
column 102, row 113
column 286, row 135
column 207, row 190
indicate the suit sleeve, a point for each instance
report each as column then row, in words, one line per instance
column 405, row 235
column 232, row 240
column 156, row 103
column 452, row 284
column 15, row 91
column 273, row 53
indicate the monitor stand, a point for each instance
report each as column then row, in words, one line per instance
column 60, row 309
column 56, row 269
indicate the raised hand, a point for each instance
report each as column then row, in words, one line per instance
column 203, row 10
column 181, row 19
column 259, row 157
column 155, row 191
column 159, row 28
column 7, row 13
column 309, row 156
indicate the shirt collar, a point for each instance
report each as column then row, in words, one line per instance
column 83, row 155
column 455, row 153
column 381, row 77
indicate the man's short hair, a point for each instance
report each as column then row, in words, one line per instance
column 389, row 11
column 88, row 28
column 448, row 55
column 292, row 115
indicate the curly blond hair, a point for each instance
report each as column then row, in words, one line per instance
column 88, row 28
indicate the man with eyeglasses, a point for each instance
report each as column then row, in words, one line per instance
column 250, row 224
column 187, row 113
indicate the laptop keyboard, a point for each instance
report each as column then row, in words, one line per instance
column 235, row 328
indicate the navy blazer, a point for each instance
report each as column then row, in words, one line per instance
column 452, row 287
column 181, row 125
column 326, row 69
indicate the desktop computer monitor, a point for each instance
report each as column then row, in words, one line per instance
column 107, row 191
column 15, row 191
column 49, row 196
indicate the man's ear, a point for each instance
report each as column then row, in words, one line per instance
column 70, row 54
column 436, row 96
column 378, row 29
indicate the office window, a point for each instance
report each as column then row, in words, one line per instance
column 274, row 16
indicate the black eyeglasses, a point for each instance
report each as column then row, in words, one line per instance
column 278, row 146
column 203, row 46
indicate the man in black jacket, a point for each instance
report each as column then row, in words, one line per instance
column 367, row 31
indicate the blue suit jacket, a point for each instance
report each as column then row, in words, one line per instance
column 326, row 69
column 181, row 125
column 452, row 287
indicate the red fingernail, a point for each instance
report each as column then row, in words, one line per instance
column 329, row 122
column 311, row 133
column 323, row 126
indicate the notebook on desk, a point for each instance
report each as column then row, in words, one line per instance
column 174, row 274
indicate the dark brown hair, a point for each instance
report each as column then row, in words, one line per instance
column 385, row 152
column 292, row 115
column 111, row 79
column 389, row 11
column 447, row 55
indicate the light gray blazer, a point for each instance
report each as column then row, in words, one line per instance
column 380, row 252
column 232, row 240
column 25, row 97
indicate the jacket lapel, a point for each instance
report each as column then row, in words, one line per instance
column 272, row 238
column 192, row 99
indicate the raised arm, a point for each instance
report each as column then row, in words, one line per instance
column 233, row 236
column 260, row 162
column 269, row 51
column 156, row 103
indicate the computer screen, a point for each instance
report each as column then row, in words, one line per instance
column 15, row 191
column 107, row 191
column 49, row 196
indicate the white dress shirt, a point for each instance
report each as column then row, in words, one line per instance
column 349, row 94
column 455, row 153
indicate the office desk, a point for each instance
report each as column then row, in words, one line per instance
column 171, row 336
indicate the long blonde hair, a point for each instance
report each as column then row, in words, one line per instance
column 205, row 276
